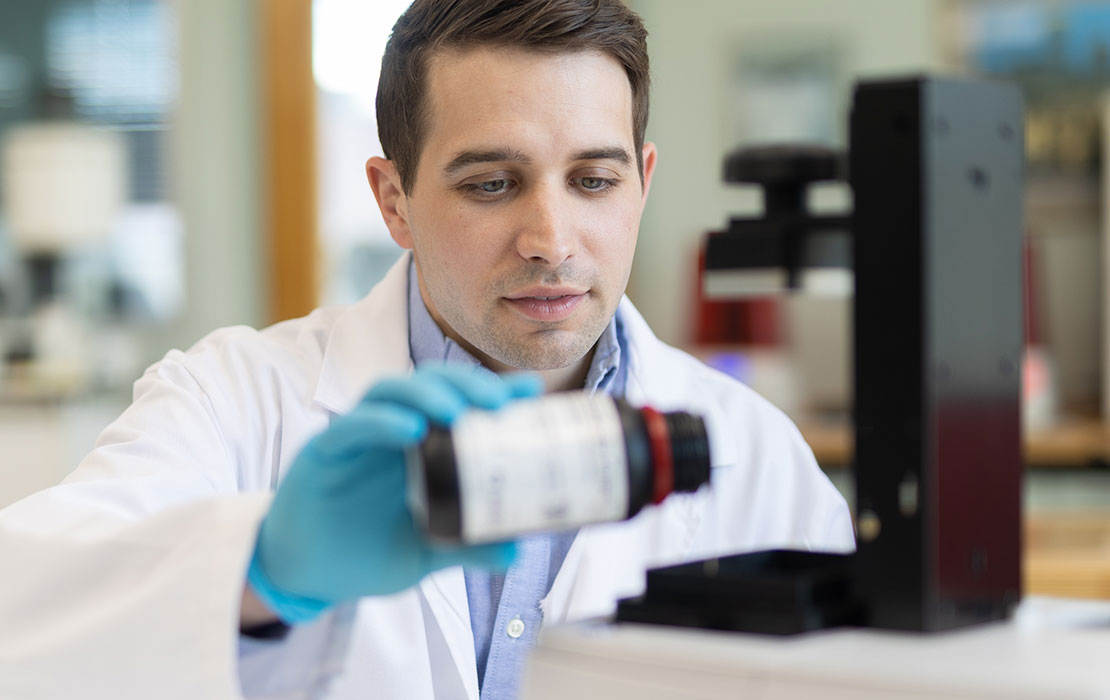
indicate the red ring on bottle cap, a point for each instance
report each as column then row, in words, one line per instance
column 659, row 437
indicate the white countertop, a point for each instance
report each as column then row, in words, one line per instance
column 1052, row 648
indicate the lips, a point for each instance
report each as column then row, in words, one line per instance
column 548, row 305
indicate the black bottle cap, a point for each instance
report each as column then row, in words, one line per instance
column 690, row 447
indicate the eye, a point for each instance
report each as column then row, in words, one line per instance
column 489, row 189
column 595, row 184
column 493, row 186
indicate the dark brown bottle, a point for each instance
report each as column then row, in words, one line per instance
column 551, row 464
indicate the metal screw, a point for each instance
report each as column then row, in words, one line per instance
column 869, row 526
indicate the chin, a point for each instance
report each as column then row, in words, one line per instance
column 548, row 352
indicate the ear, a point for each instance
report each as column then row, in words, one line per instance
column 391, row 197
column 649, row 153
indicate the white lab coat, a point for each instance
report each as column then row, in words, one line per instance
column 125, row 580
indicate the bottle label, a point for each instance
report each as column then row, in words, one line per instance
column 545, row 465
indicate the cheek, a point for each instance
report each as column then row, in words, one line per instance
column 440, row 234
column 454, row 245
column 615, row 241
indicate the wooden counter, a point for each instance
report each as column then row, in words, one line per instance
column 1073, row 443
column 1068, row 554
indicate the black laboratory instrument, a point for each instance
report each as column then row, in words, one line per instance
column 936, row 169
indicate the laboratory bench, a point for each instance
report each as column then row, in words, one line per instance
column 1051, row 649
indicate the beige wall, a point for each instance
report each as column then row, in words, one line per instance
column 693, row 44
column 215, row 172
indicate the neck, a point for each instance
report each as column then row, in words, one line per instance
column 567, row 378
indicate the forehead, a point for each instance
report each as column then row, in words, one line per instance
column 528, row 100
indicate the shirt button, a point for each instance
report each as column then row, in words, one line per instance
column 515, row 627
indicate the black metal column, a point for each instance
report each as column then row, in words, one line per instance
column 936, row 168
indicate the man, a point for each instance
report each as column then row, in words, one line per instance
column 516, row 174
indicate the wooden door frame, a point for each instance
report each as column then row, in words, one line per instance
column 289, row 196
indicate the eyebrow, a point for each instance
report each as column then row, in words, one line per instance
column 500, row 155
column 493, row 155
column 615, row 153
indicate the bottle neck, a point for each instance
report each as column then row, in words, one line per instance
column 690, row 450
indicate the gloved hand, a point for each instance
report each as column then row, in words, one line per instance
column 339, row 527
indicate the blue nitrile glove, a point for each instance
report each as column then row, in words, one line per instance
column 339, row 527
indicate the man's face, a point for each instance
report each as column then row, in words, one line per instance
column 526, row 204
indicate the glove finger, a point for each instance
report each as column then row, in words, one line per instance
column 497, row 556
column 428, row 395
column 523, row 385
column 479, row 388
column 372, row 425
column 443, row 392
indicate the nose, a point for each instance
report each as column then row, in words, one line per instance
column 547, row 231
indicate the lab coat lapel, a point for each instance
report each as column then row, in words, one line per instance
column 608, row 562
column 368, row 341
column 605, row 563
column 651, row 379
column 448, row 615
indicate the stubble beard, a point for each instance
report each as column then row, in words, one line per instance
column 511, row 342
column 541, row 349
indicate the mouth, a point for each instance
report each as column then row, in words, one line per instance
column 547, row 305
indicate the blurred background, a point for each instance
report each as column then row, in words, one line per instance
column 170, row 166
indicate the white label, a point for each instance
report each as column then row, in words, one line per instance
column 550, row 464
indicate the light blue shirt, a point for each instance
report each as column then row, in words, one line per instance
column 505, row 610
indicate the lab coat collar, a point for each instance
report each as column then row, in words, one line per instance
column 649, row 378
column 368, row 341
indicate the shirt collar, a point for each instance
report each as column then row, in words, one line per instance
column 428, row 344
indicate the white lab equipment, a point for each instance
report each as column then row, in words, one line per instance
column 64, row 185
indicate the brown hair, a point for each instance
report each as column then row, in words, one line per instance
column 556, row 26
